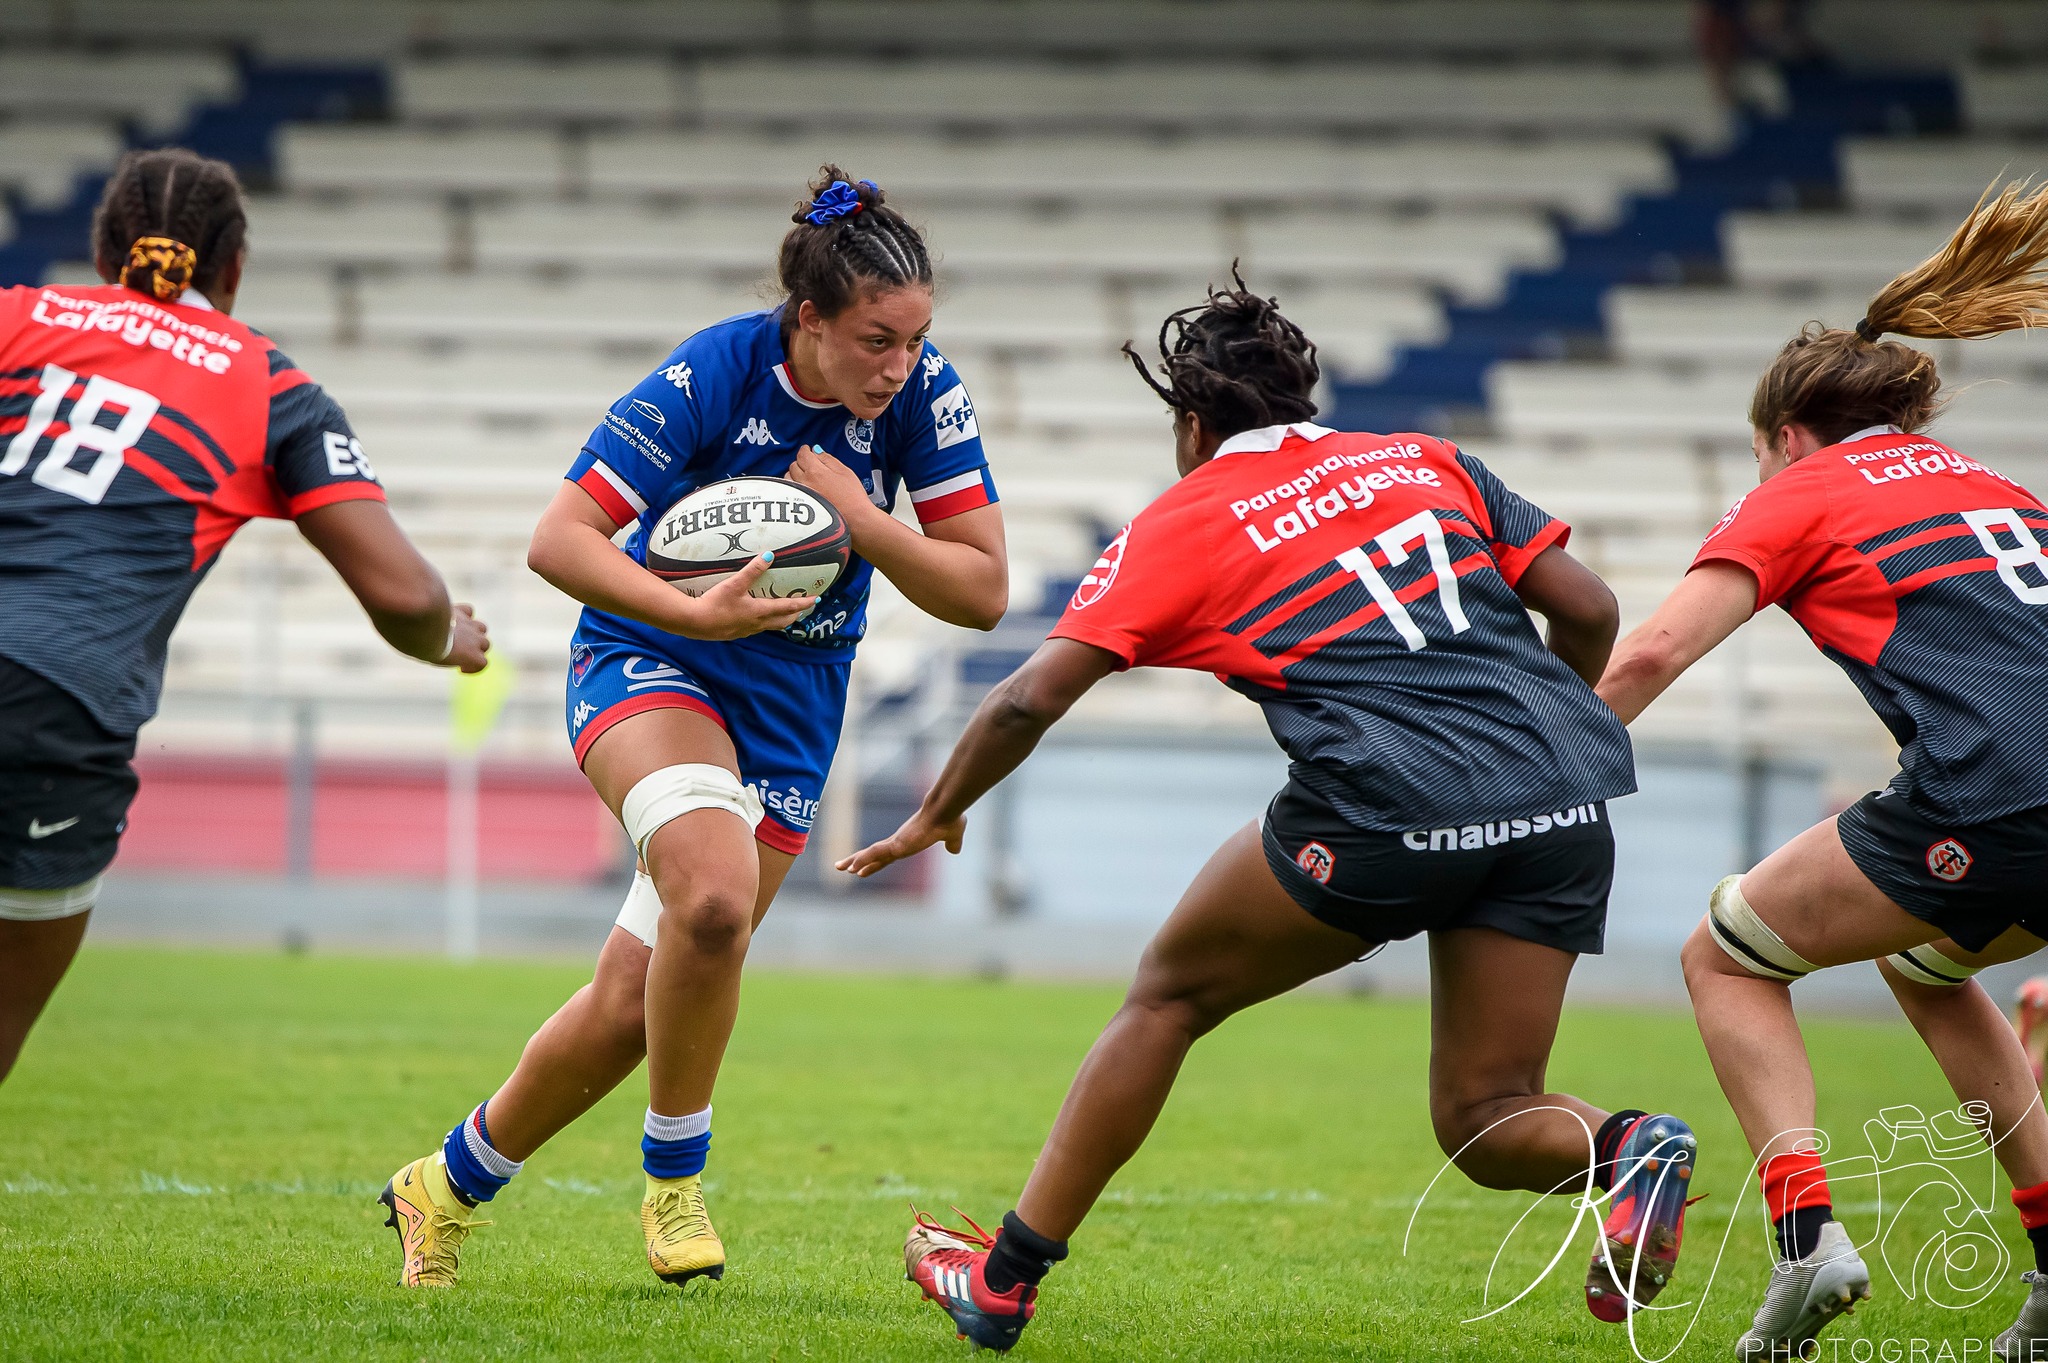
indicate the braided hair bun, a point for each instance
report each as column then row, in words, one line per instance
column 846, row 241
column 1235, row 362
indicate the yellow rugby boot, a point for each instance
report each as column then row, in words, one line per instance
column 431, row 1221
column 680, row 1242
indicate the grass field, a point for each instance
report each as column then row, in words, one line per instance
column 191, row 1145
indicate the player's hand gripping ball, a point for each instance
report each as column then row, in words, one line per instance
column 721, row 527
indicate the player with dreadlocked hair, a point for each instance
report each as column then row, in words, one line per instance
column 1449, row 775
column 708, row 723
column 1923, row 573
column 140, row 426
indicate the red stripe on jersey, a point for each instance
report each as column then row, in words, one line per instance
column 780, row 836
column 952, row 504
column 284, row 380
column 1414, row 591
column 192, row 445
column 332, row 493
column 1956, row 530
column 161, row 476
column 640, row 705
column 1514, row 562
column 607, row 497
column 1928, row 576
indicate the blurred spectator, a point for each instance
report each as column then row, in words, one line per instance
column 1732, row 34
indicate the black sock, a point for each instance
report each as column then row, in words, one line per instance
column 1607, row 1142
column 2039, row 1235
column 1799, row 1230
column 1021, row 1255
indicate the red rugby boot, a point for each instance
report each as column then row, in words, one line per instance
column 947, row 1265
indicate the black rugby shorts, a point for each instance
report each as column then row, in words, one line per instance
column 1544, row 879
column 1973, row 881
column 65, row 785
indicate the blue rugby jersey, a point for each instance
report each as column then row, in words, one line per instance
column 1360, row 588
column 135, row 438
column 724, row 405
column 1921, row 573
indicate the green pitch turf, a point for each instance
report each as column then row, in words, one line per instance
column 191, row 1145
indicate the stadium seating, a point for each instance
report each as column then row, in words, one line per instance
column 557, row 193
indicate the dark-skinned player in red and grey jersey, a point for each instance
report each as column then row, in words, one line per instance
column 1449, row 775
column 1921, row 572
column 140, row 427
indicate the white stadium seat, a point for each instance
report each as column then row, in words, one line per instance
column 1826, row 250
column 154, row 88
column 1940, row 177
column 390, row 161
column 2005, row 98
column 482, row 89
column 44, row 159
column 1468, row 252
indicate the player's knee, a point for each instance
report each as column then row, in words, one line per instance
column 1460, row 1124
column 714, row 920
column 1183, row 1004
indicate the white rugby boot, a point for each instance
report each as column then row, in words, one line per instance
column 2027, row 1339
column 1804, row 1295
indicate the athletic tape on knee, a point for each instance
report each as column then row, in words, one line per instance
column 641, row 913
column 1748, row 940
column 1925, row 965
column 35, row 906
column 672, row 792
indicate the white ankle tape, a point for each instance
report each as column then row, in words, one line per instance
column 1748, row 940
column 1925, row 965
column 668, row 794
column 37, row 906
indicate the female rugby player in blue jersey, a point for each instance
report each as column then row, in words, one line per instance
column 708, row 723
column 1449, row 775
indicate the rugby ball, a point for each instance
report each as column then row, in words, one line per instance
column 714, row 531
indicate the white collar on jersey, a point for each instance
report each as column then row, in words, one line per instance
column 1266, row 439
column 192, row 298
column 789, row 386
column 1869, row 431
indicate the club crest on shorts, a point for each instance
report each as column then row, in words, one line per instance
column 1948, row 860
column 1316, row 862
column 579, row 661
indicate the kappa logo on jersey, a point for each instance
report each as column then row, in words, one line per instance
column 584, row 710
column 860, row 433
column 934, row 365
column 649, row 413
column 1948, row 860
column 1316, row 862
column 580, row 658
column 755, row 432
column 679, row 374
column 953, row 416
column 1100, row 578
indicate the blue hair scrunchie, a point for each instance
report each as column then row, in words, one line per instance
column 839, row 200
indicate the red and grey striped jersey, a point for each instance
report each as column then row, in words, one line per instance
column 1921, row 573
column 1360, row 588
column 135, row 438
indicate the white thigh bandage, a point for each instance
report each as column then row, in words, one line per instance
column 1748, row 940
column 34, row 906
column 672, row 792
column 1925, row 965
column 641, row 914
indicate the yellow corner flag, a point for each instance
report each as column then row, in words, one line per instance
column 476, row 701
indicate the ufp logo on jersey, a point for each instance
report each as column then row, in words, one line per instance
column 1948, row 860
column 953, row 417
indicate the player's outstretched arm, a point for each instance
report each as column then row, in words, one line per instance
column 955, row 571
column 1706, row 607
column 572, row 548
column 1001, row 735
column 399, row 590
column 1582, row 613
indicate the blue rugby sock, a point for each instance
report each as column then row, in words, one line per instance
column 475, row 1169
column 675, row 1147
